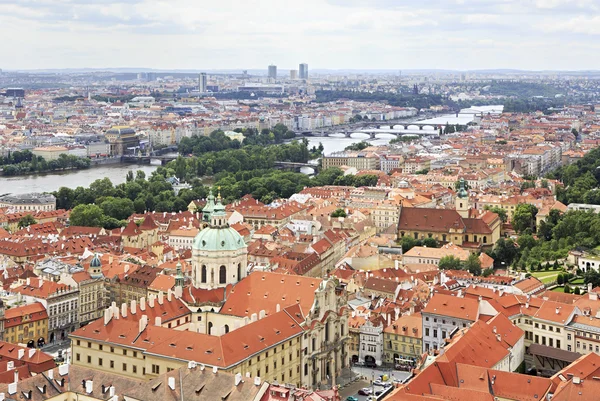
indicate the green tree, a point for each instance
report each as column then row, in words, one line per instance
column 592, row 277
column 505, row 251
column 577, row 291
column 473, row 265
column 117, row 208
column 407, row 243
column 567, row 289
column 339, row 213
column 560, row 280
column 430, row 243
column 87, row 215
column 487, row 272
column 26, row 221
column 524, row 217
column 129, row 176
column 450, row 262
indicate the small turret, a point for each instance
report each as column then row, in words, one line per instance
column 95, row 269
column 179, row 278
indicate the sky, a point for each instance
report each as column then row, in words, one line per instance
column 326, row 34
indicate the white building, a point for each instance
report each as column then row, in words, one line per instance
column 371, row 343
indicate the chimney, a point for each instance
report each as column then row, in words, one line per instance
column 51, row 374
column 238, row 379
column 12, row 388
column 161, row 297
column 21, row 353
column 31, row 352
column 10, row 365
column 178, row 292
column 261, row 314
column 257, row 381
column 151, row 301
column 142, row 323
column 63, row 369
column 133, row 306
column 557, row 310
column 111, row 391
column 143, row 303
column 115, row 311
column 124, row 310
column 16, row 375
column 169, row 295
column 171, row 381
column 253, row 317
column 158, row 321
column 215, row 369
column 89, row 386
column 277, row 308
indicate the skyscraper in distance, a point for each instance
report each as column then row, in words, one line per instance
column 303, row 69
column 202, row 82
column 273, row 71
column 293, row 74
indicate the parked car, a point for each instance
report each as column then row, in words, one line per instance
column 365, row 391
column 351, row 398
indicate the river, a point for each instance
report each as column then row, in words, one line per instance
column 117, row 173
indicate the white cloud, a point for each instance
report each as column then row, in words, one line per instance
column 236, row 34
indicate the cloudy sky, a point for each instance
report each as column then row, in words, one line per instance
column 327, row 34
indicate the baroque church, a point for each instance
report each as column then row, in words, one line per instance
column 219, row 253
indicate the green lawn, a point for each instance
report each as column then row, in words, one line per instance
column 578, row 281
column 559, row 289
column 546, row 276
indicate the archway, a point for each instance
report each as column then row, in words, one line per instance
column 210, row 326
column 370, row 361
column 354, row 358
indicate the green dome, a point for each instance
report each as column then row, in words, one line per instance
column 218, row 239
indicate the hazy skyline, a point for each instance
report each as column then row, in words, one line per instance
column 334, row 34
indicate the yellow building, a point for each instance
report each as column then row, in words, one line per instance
column 402, row 340
column 264, row 346
column 27, row 324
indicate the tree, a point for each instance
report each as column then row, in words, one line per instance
column 450, row 262
column 129, row 176
column 117, row 208
column 577, row 291
column 487, row 272
column 407, row 243
column 339, row 213
column 567, row 289
column 592, row 277
column 26, row 221
column 560, row 280
column 430, row 242
column 473, row 265
column 87, row 215
column 504, row 251
column 524, row 217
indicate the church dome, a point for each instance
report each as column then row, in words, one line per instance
column 96, row 261
column 218, row 239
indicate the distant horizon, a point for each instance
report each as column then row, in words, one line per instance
column 287, row 69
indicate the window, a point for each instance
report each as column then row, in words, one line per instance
column 112, row 349
column 89, row 359
column 557, row 343
column 569, row 336
column 156, row 369
column 135, row 354
column 427, row 331
column 124, row 352
column 112, row 364
column 568, row 348
column 100, row 347
column 89, row 344
column 99, row 361
column 78, row 342
column 77, row 357
column 203, row 274
column 134, row 369
column 222, row 275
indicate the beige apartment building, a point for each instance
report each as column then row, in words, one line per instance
column 358, row 160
